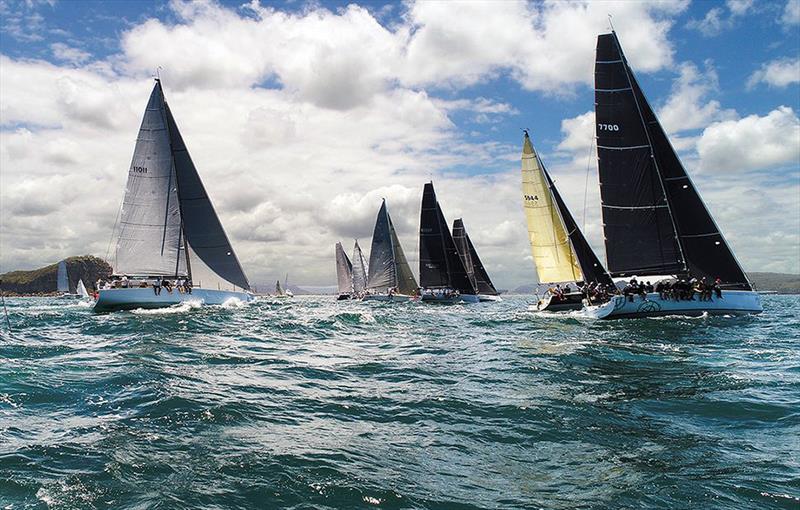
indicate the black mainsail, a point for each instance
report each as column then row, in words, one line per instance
column 440, row 265
column 388, row 267
column 344, row 271
column 167, row 216
column 472, row 263
column 654, row 220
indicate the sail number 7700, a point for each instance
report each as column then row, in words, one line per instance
column 608, row 127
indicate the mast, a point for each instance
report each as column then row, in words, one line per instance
column 181, row 236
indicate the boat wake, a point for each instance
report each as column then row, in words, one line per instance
column 182, row 307
column 233, row 303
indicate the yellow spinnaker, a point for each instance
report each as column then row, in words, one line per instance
column 552, row 252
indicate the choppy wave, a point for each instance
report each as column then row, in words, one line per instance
column 312, row 403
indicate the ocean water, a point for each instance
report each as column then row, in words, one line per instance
column 310, row 403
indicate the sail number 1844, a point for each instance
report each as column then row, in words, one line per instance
column 608, row 127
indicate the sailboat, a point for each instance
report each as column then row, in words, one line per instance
column 442, row 274
column 560, row 251
column 344, row 274
column 389, row 277
column 654, row 221
column 359, row 274
column 472, row 263
column 286, row 291
column 82, row 292
column 169, row 231
column 62, row 279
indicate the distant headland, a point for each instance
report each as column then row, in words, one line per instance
column 44, row 281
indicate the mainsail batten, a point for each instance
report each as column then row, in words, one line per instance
column 677, row 235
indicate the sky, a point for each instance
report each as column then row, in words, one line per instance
column 300, row 116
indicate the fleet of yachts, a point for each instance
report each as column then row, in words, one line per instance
column 655, row 225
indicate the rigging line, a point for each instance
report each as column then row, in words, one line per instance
column 5, row 310
column 586, row 184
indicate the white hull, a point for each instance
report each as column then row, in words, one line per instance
column 487, row 297
column 443, row 300
column 732, row 302
column 110, row 300
column 386, row 297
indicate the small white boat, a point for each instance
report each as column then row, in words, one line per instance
column 82, row 292
column 111, row 300
column 732, row 302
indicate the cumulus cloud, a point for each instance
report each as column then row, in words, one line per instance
column 751, row 143
column 687, row 107
column 791, row 13
column 68, row 54
column 717, row 19
column 777, row 73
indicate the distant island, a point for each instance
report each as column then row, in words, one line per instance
column 44, row 281
column 779, row 283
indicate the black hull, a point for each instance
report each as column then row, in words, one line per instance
column 566, row 303
column 343, row 297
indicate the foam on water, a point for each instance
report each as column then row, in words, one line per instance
column 310, row 403
column 182, row 307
